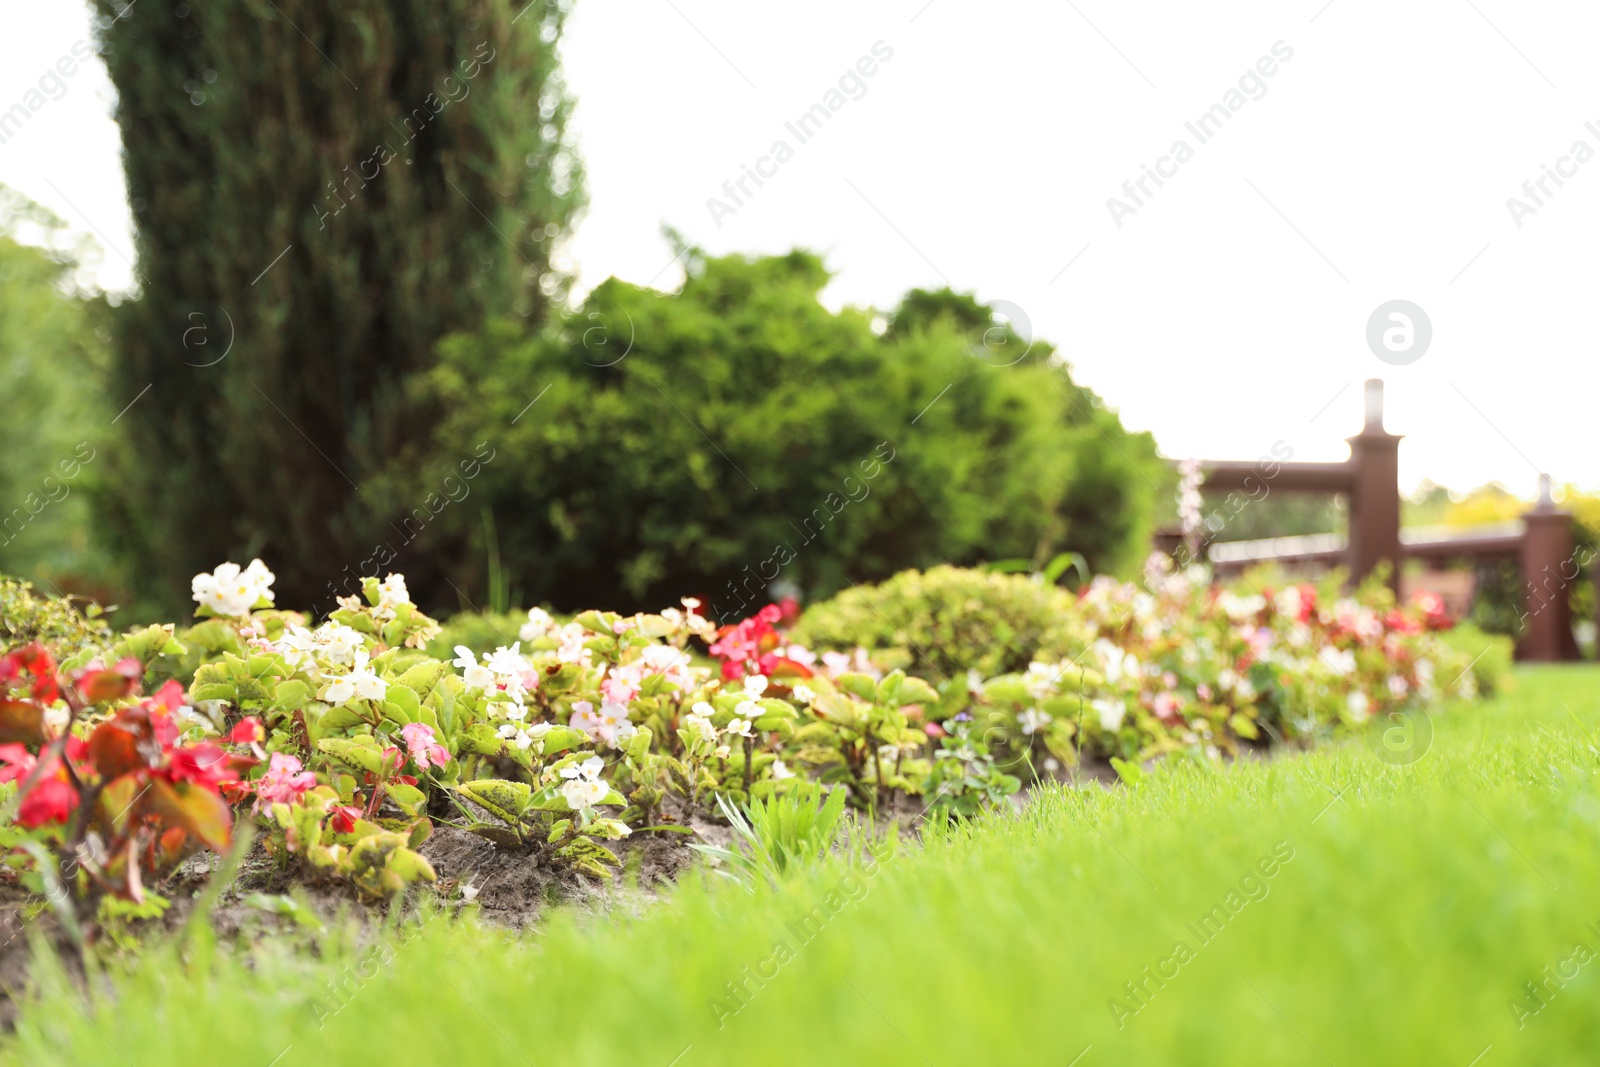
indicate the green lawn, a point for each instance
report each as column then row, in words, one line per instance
column 1360, row 913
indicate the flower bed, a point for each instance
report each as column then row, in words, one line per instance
column 346, row 744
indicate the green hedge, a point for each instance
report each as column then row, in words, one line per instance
column 711, row 441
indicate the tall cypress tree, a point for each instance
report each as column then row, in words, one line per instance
column 321, row 191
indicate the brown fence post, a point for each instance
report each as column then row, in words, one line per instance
column 1548, row 571
column 1374, row 494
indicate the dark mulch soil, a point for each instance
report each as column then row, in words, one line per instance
column 508, row 887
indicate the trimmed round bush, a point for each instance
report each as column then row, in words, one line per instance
column 949, row 620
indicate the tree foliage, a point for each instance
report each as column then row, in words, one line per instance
column 52, row 349
column 711, row 441
column 321, row 192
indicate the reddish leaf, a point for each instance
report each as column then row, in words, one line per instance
column 135, row 886
column 197, row 810
column 114, row 749
column 98, row 686
column 21, row 722
column 116, row 802
column 171, row 846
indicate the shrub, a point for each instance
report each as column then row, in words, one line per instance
column 1490, row 654
column 27, row 616
column 948, row 620
column 477, row 629
column 712, row 441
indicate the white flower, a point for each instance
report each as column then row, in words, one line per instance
column 1359, row 706
column 572, row 648
column 296, row 645
column 1040, row 679
column 1341, row 661
column 338, row 641
column 1111, row 713
column 1033, row 720
column 779, row 771
column 506, row 662
column 738, row 728
column 523, row 736
column 1398, row 686
column 800, row 654
column 538, row 624
column 589, row 768
column 392, row 592
column 231, row 591
column 361, row 681
column 803, row 693
column 615, row 726
column 583, row 793
column 473, row 673
column 755, row 684
column 699, row 722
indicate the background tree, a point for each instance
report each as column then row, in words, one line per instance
column 321, row 192
column 52, row 374
column 676, row 440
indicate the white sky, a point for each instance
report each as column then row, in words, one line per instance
column 1224, row 315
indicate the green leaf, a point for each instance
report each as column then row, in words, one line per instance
column 409, row 797
column 889, row 689
column 292, row 695
column 367, row 757
column 914, row 690
column 561, row 738
column 340, row 718
column 500, row 835
column 480, row 738
column 410, row 866
column 859, row 685
column 507, row 800
column 401, row 704
column 593, row 620
column 421, row 677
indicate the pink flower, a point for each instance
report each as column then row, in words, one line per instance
column 619, row 689
column 420, row 741
column 284, row 781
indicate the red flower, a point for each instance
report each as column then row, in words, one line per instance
column 50, row 800
column 169, row 696
column 248, row 731
column 33, row 660
column 205, row 765
column 779, row 667
column 344, row 818
column 19, row 761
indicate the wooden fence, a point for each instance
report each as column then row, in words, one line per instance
column 1541, row 542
